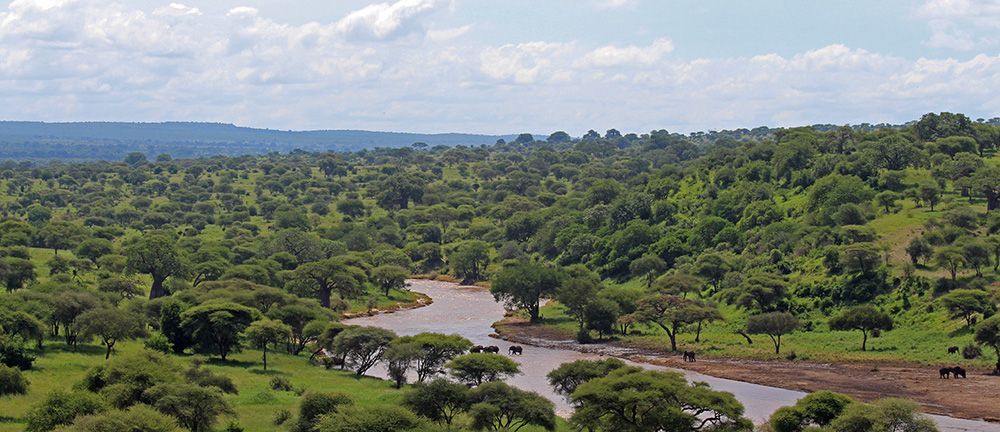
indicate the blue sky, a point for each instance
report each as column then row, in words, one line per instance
column 498, row 66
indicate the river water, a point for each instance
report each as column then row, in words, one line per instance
column 470, row 312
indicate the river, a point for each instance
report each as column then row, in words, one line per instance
column 471, row 311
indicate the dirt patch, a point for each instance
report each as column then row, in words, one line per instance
column 974, row 398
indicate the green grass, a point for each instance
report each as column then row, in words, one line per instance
column 920, row 337
column 256, row 404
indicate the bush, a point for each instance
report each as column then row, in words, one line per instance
column 206, row 378
column 281, row 384
column 972, row 352
column 138, row 418
column 316, row 405
column 159, row 343
column 281, row 417
column 61, row 408
column 12, row 382
column 583, row 336
column 15, row 355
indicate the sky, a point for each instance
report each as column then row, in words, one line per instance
column 488, row 66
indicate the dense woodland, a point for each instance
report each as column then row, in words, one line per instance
column 174, row 277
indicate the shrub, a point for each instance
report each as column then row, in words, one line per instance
column 61, row 408
column 281, row 417
column 15, row 355
column 138, row 418
column 316, row 405
column 159, row 343
column 281, row 384
column 12, row 382
column 206, row 378
column 972, row 352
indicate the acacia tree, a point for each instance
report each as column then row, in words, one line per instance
column 988, row 333
column 331, row 275
column 669, row 312
column 216, row 328
column 966, row 303
column 773, row 324
column 434, row 351
column 439, row 400
column 16, row 272
column 477, row 368
column 264, row 332
column 469, row 260
column 524, row 285
column 390, row 277
column 498, row 406
column 362, row 347
column 157, row 256
column 951, row 258
column 648, row 267
column 110, row 325
column 865, row 318
column 632, row 399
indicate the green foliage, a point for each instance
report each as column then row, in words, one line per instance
column 524, row 285
column 773, row 324
column 865, row 318
column 265, row 332
column 12, row 382
column 61, row 408
column 362, row 347
column 195, row 408
column 477, row 368
column 137, row 418
column 438, row 400
column 216, row 328
column 498, row 406
column 631, row 399
column 314, row 405
column 568, row 376
column 380, row 419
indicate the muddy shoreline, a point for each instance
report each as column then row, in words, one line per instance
column 421, row 301
column 974, row 398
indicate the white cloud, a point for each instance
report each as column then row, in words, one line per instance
column 962, row 25
column 441, row 35
column 612, row 55
column 391, row 66
column 384, row 20
column 526, row 63
column 177, row 10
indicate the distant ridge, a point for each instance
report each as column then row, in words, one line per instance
column 112, row 140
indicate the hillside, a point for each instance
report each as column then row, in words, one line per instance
column 111, row 140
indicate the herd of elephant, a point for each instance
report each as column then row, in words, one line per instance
column 513, row 350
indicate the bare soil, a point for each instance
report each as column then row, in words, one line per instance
column 976, row 397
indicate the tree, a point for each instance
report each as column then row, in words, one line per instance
column 568, row 376
column 477, row 368
column 390, row 277
column 110, row 325
column 648, row 267
column 524, row 285
column 773, row 324
column 865, row 318
column 951, row 258
column 298, row 316
column 171, row 325
column 500, row 407
column 362, row 347
column 977, row 254
column 435, row 350
column 576, row 293
column 929, row 193
column 987, row 181
column 760, row 290
column 439, row 400
column 124, row 287
column 887, row 200
column 195, row 408
column 94, row 248
column 888, row 414
column 918, row 249
column 216, row 328
column 332, row 274
column 988, row 333
column 670, row 312
column 16, row 272
column 157, row 256
column 264, row 332
column 397, row 190
column 399, row 358
column 60, row 235
column 629, row 399
column 469, row 260
column 68, row 307
column 818, row 408
column 965, row 303
column 601, row 315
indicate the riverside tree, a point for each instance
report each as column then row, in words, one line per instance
column 864, row 318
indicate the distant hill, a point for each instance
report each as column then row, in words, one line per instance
column 112, row 140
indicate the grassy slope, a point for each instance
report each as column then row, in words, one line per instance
column 921, row 335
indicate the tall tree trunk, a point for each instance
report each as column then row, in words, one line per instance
column 265, row 357
column 864, row 342
column 324, row 295
column 157, row 290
